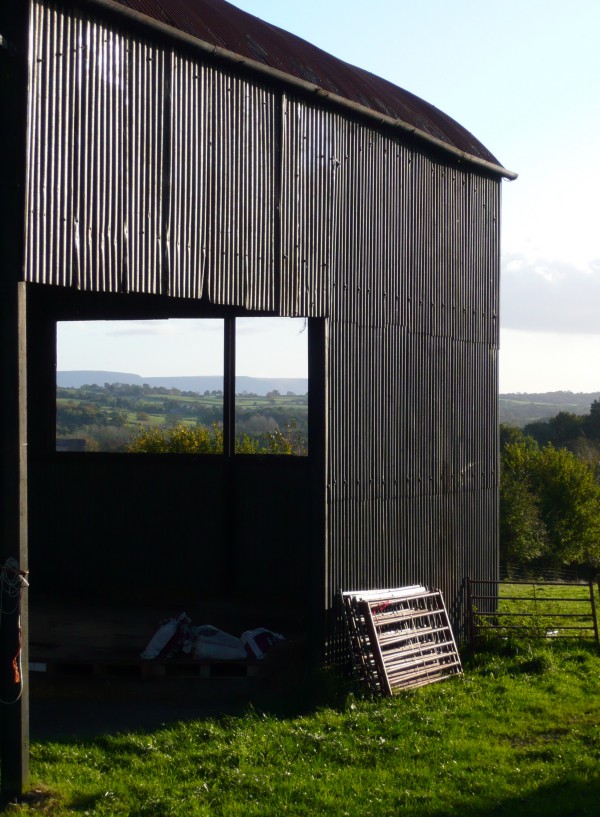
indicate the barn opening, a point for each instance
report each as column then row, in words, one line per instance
column 158, row 386
column 140, row 536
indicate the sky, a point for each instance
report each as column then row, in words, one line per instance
column 265, row 347
column 524, row 77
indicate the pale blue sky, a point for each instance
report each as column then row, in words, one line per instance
column 265, row 347
column 523, row 77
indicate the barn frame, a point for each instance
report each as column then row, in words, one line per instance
column 202, row 163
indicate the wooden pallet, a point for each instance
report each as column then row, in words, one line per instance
column 400, row 638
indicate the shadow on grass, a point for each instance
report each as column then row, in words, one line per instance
column 567, row 798
column 65, row 709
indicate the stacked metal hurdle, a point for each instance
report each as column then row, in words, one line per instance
column 399, row 638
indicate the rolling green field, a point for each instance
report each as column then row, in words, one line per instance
column 108, row 417
column 517, row 736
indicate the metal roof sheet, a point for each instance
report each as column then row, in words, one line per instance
column 220, row 24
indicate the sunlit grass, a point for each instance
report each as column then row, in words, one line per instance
column 518, row 735
column 548, row 610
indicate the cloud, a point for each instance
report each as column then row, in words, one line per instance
column 161, row 327
column 550, row 296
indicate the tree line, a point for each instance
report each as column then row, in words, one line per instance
column 109, row 417
column 550, row 491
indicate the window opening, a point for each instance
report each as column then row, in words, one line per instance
column 195, row 386
column 271, row 386
column 152, row 386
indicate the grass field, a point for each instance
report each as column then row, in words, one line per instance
column 108, row 422
column 518, row 735
column 538, row 609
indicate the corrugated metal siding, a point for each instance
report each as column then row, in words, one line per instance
column 96, row 157
column 412, row 372
column 415, row 245
column 153, row 172
column 408, row 248
column 190, row 161
column 145, row 93
column 314, row 144
column 413, row 425
column 149, row 172
column 242, row 272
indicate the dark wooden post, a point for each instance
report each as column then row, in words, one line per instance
column 322, row 608
column 229, row 389
column 14, row 721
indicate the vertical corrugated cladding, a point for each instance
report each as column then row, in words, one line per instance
column 95, row 155
column 147, row 151
column 312, row 160
column 149, row 171
column 243, row 197
column 190, row 177
column 412, row 369
column 222, row 181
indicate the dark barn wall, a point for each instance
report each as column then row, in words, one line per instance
column 164, row 172
column 403, row 253
column 413, row 362
column 164, row 529
column 169, row 530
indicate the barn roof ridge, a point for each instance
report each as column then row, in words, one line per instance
column 232, row 34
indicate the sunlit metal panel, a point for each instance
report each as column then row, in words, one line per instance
column 243, row 203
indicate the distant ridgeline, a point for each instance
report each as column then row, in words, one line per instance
column 521, row 409
column 198, row 384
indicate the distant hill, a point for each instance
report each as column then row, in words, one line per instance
column 520, row 409
column 200, row 383
column 517, row 409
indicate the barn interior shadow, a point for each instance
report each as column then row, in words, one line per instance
column 65, row 709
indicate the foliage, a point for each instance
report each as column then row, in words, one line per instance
column 591, row 423
column 569, row 430
column 520, row 409
column 511, row 434
column 523, row 534
column 519, row 736
column 182, row 439
column 179, row 439
column 96, row 413
column 72, row 415
column 550, row 506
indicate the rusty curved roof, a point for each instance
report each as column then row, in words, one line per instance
column 220, row 24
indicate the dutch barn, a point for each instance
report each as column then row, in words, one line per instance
column 184, row 159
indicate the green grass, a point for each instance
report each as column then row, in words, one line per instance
column 284, row 410
column 541, row 608
column 518, row 735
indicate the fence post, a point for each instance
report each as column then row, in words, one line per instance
column 594, row 615
column 470, row 616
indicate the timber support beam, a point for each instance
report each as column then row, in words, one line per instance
column 14, row 710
